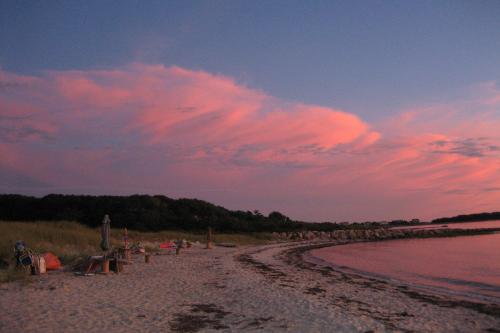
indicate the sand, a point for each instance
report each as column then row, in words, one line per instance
column 267, row 288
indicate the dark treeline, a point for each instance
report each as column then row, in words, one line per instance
column 469, row 218
column 147, row 213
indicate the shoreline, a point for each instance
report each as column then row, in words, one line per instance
column 244, row 289
column 296, row 256
column 309, row 261
column 420, row 288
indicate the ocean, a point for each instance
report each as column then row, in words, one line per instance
column 465, row 266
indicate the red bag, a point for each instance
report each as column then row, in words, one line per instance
column 52, row 262
column 167, row 245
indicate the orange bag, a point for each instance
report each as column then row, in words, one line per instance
column 52, row 262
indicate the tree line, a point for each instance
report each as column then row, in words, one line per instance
column 469, row 218
column 148, row 213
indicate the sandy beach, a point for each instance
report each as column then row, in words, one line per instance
column 271, row 288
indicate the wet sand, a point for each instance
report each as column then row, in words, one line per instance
column 271, row 288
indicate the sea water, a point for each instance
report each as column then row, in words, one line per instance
column 467, row 266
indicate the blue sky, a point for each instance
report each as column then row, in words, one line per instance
column 369, row 57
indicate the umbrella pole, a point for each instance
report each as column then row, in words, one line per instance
column 209, row 238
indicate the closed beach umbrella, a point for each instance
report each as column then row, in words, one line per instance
column 105, row 230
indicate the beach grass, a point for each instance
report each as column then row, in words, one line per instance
column 71, row 241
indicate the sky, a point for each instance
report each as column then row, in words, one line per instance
column 322, row 110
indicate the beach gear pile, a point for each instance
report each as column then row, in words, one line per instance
column 38, row 264
column 88, row 266
column 168, row 245
column 24, row 255
column 137, row 248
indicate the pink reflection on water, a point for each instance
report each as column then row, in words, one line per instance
column 467, row 265
column 465, row 225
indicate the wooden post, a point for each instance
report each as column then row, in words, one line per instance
column 209, row 238
column 127, row 255
column 105, row 265
column 117, row 265
column 146, row 258
column 178, row 246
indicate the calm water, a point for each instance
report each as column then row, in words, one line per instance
column 468, row 266
column 470, row 225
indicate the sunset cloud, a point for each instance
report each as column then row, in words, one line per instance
column 171, row 130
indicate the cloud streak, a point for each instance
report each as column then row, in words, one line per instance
column 157, row 129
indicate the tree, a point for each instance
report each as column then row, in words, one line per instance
column 277, row 216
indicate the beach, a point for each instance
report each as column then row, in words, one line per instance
column 271, row 288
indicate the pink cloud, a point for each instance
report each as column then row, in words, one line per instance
column 193, row 108
column 156, row 129
column 23, row 121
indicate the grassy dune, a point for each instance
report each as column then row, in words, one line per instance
column 71, row 241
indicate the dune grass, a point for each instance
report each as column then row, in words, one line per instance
column 71, row 241
column 65, row 239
